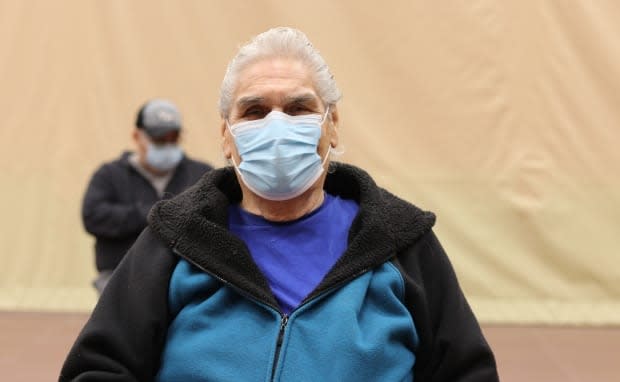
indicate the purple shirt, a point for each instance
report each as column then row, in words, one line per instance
column 295, row 256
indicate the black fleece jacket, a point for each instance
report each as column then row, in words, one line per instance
column 117, row 202
column 126, row 333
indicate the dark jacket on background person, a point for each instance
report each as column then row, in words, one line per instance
column 118, row 200
column 390, row 309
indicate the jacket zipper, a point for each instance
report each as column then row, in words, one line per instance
column 284, row 317
column 283, row 322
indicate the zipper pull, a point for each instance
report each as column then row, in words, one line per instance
column 283, row 322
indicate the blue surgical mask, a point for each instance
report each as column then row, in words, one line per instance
column 279, row 159
column 163, row 157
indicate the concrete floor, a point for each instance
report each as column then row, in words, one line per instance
column 33, row 347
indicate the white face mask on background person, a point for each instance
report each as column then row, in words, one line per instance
column 163, row 157
column 279, row 159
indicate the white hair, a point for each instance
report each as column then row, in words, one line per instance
column 279, row 42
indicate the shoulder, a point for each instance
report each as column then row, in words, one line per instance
column 115, row 166
column 195, row 164
column 427, row 249
column 380, row 211
column 150, row 243
column 151, row 257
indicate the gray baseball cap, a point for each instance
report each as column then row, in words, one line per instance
column 158, row 117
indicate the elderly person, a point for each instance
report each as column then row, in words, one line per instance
column 284, row 266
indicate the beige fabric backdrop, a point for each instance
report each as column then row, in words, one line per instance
column 501, row 117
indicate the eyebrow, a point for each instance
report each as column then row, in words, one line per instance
column 305, row 98
column 244, row 102
column 301, row 99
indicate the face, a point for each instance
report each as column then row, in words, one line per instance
column 281, row 84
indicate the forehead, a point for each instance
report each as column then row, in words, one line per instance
column 274, row 79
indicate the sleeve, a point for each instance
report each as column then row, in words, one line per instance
column 452, row 347
column 103, row 212
column 125, row 334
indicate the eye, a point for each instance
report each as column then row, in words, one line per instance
column 298, row 109
column 254, row 112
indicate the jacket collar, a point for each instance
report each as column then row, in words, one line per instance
column 195, row 224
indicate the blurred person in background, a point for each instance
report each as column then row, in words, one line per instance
column 285, row 266
column 121, row 192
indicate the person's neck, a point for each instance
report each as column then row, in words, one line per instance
column 156, row 172
column 285, row 210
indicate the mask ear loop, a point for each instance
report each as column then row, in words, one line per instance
column 229, row 129
column 329, row 150
column 333, row 152
column 237, row 170
column 232, row 158
column 325, row 115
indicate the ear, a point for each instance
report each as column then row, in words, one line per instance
column 334, row 120
column 135, row 135
column 226, row 140
column 139, row 140
column 140, row 143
